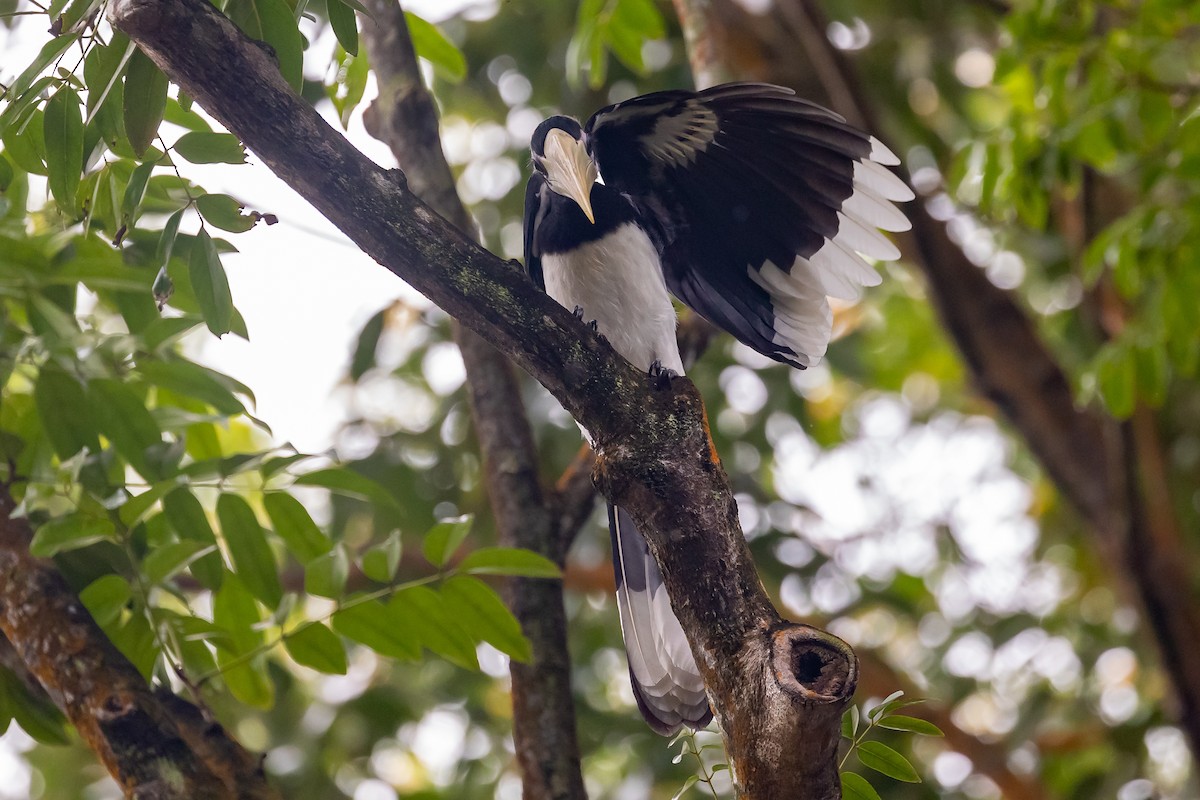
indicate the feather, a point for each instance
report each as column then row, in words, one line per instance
column 666, row 681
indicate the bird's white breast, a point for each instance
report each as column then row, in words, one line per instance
column 618, row 282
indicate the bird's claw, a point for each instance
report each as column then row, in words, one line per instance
column 595, row 326
column 662, row 376
column 578, row 312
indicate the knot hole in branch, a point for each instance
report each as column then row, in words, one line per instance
column 816, row 666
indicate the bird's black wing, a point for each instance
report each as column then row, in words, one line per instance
column 535, row 211
column 762, row 205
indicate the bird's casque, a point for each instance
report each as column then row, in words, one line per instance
column 750, row 205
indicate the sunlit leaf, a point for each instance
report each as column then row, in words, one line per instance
column 315, row 646
column 478, row 608
column 432, row 45
column 881, row 758
column 325, row 575
column 383, row 628
column 70, row 533
column 381, row 561
column 252, row 558
column 166, row 561
column 509, row 561
column 435, row 626
column 105, row 598
column 856, row 787
column 899, row 722
column 294, row 525
column 187, row 517
column 123, row 418
column 444, row 539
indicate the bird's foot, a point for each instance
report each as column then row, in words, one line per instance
column 578, row 312
column 662, row 376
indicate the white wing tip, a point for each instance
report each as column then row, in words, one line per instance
column 882, row 154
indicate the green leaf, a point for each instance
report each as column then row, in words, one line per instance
column 123, row 418
column 248, row 549
column 368, row 342
column 6, row 173
column 37, row 716
column 189, row 379
column 325, row 575
column 345, row 26
column 65, row 412
column 850, row 720
column 70, row 533
column 345, row 481
column 164, row 562
column 687, row 784
column 315, row 646
column 438, row 630
column 225, row 213
column 272, row 21
column 103, row 72
column 294, row 525
column 145, row 101
column 27, row 149
column 856, row 787
column 135, row 190
column 381, row 561
column 434, row 47
column 444, row 538
column 1116, row 377
column 166, row 242
column 235, row 611
column 134, row 510
column 385, row 629
column 210, row 148
column 478, row 608
column 63, row 131
column 885, row 705
column 187, row 517
column 899, row 722
column 881, row 758
column 105, row 598
column 210, row 285
column 509, row 561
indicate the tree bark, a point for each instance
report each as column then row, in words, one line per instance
column 777, row 688
column 544, row 731
column 155, row 745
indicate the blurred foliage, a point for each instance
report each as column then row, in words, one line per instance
column 881, row 497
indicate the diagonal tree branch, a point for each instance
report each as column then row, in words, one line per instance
column 155, row 746
column 777, row 688
column 544, row 730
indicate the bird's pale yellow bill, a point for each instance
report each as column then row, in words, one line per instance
column 569, row 170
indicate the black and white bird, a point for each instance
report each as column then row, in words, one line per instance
column 750, row 205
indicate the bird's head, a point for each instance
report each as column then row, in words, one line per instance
column 559, row 154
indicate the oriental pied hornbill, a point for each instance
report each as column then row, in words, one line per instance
column 750, row 205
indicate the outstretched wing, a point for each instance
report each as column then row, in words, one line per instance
column 535, row 211
column 761, row 203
